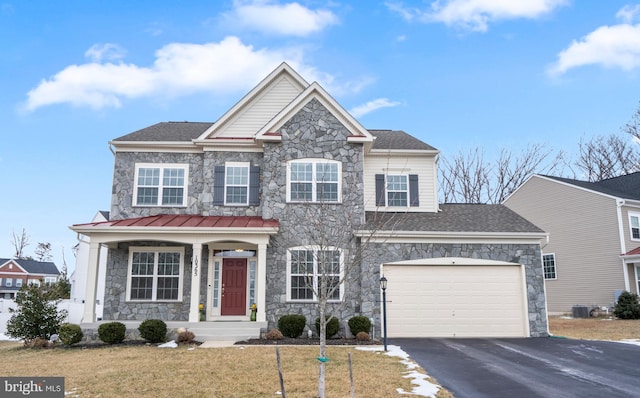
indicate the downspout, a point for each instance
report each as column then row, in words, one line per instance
column 623, row 246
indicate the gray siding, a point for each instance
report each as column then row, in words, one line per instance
column 584, row 236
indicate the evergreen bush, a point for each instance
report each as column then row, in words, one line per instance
column 627, row 306
column 112, row 332
column 153, row 330
column 333, row 326
column 359, row 323
column 292, row 325
column 70, row 333
column 35, row 316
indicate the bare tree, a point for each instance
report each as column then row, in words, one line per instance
column 19, row 242
column 469, row 178
column 609, row 156
column 633, row 126
column 43, row 251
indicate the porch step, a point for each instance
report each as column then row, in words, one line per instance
column 225, row 331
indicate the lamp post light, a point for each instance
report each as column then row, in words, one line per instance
column 383, row 286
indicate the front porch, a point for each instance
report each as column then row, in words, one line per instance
column 223, row 331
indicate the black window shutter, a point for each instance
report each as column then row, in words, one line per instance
column 380, row 199
column 254, row 186
column 413, row 190
column 218, row 185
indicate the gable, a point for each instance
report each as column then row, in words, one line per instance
column 358, row 133
column 11, row 266
column 259, row 106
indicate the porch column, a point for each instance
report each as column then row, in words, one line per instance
column 91, row 286
column 261, row 283
column 196, row 270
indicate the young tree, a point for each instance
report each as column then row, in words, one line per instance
column 43, row 251
column 19, row 242
column 36, row 316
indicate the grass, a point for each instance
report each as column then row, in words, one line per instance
column 148, row 371
column 595, row 328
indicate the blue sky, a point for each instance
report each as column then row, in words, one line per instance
column 457, row 74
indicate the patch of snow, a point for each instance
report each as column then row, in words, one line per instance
column 630, row 341
column 423, row 387
column 170, row 344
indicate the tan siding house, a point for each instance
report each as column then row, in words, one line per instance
column 589, row 230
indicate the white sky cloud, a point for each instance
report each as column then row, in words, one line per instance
column 476, row 15
column 179, row 69
column 290, row 19
column 107, row 51
column 628, row 14
column 608, row 46
column 371, row 106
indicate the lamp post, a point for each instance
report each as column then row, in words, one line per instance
column 383, row 286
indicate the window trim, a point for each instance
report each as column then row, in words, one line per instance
column 387, row 191
column 315, row 274
column 161, row 167
column 555, row 268
column 245, row 165
column 637, row 216
column 156, row 250
column 314, row 182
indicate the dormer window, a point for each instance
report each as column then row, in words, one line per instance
column 397, row 190
column 314, row 180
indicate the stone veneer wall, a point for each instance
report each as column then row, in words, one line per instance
column 312, row 133
column 527, row 254
column 116, row 308
column 199, row 189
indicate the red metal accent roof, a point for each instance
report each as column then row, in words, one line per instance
column 633, row 252
column 188, row 221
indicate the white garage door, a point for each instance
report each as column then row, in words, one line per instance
column 456, row 297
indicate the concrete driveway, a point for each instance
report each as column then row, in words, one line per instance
column 535, row 367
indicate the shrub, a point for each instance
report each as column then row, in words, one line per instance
column 292, row 325
column 70, row 333
column 362, row 336
column 627, row 306
column 333, row 326
column 112, row 332
column 359, row 323
column 274, row 334
column 35, row 316
column 153, row 330
column 185, row 336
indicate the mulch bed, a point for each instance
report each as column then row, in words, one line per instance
column 306, row 341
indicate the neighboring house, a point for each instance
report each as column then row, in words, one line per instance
column 78, row 278
column 218, row 216
column 594, row 237
column 15, row 273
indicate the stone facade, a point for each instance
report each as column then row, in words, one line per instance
column 313, row 133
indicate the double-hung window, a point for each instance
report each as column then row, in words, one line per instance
column 18, row 282
column 634, row 225
column 160, row 185
column 397, row 190
column 155, row 274
column 311, row 271
column 549, row 266
column 314, row 180
column 236, row 184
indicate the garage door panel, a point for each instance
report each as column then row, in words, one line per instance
column 455, row 301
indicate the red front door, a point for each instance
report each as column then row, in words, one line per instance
column 234, row 286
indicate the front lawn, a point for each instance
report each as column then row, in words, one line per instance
column 148, row 371
column 595, row 328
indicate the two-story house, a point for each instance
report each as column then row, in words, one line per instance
column 593, row 252
column 15, row 273
column 286, row 194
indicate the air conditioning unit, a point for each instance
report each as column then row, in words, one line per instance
column 580, row 311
